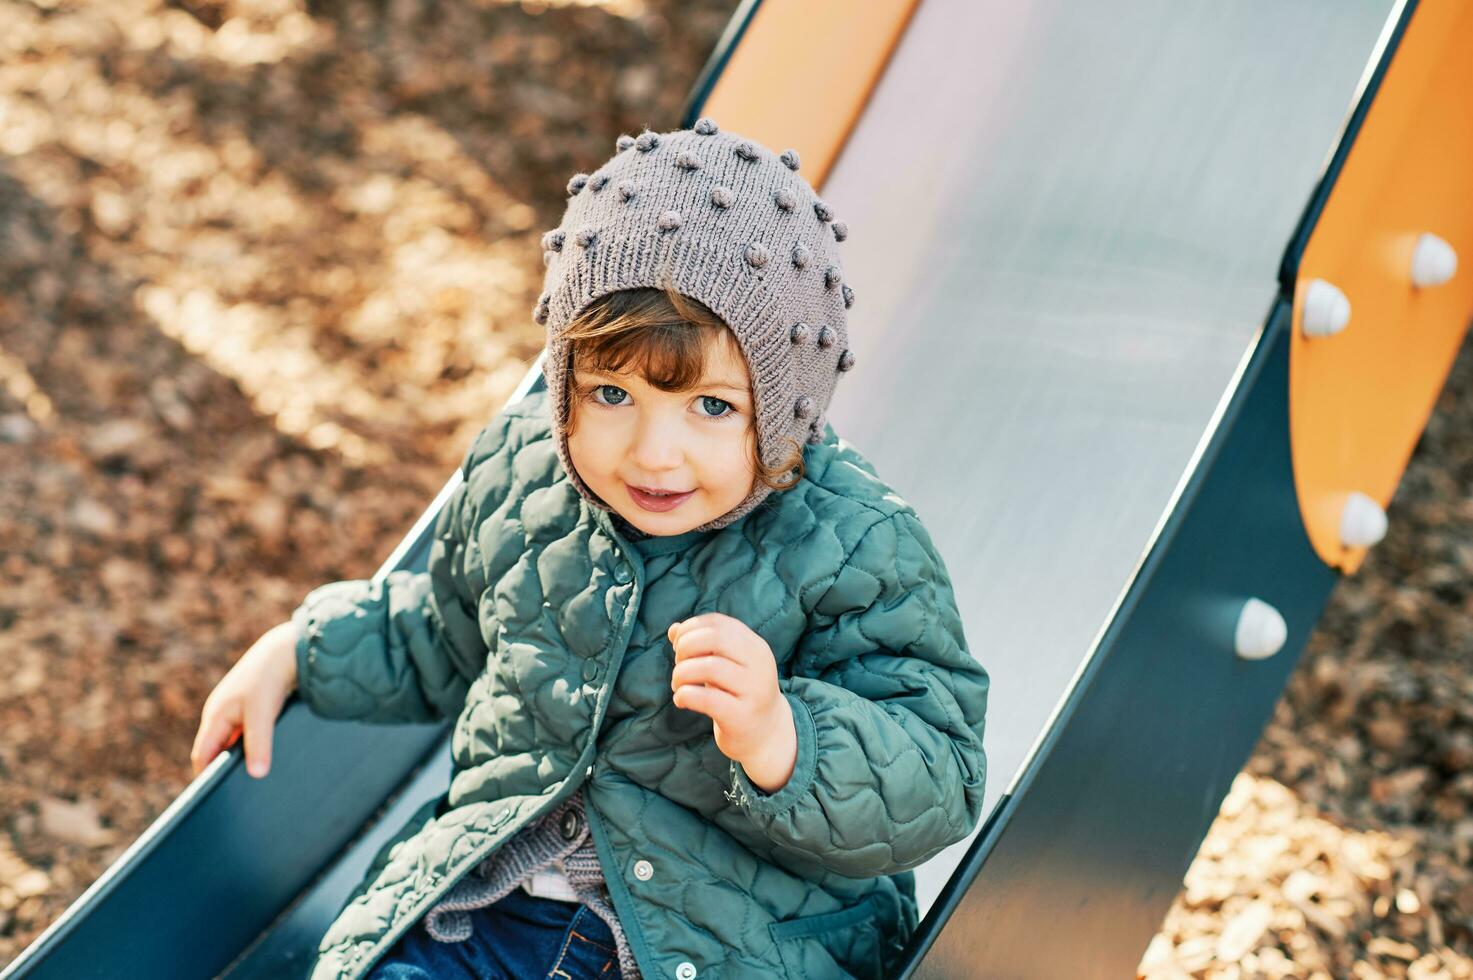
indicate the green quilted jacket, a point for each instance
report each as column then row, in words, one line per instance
column 533, row 630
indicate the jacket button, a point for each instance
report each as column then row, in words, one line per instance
column 622, row 575
column 590, row 669
column 643, row 870
column 571, row 825
column 686, row 971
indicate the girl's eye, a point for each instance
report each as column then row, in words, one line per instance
column 598, row 388
column 707, row 399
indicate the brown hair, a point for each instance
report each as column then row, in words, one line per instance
column 667, row 334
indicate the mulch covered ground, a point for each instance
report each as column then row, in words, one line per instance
column 265, row 269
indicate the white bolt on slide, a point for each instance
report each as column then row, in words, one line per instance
column 1261, row 630
column 1326, row 309
column 1434, row 261
column 1362, row 522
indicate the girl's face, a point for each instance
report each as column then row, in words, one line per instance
column 631, row 435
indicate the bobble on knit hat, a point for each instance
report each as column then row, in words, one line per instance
column 724, row 220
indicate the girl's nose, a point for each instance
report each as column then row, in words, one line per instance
column 657, row 445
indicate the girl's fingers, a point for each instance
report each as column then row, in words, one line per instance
column 196, row 751
column 260, row 720
column 677, row 629
column 709, row 630
column 216, row 727
column 710, row 701
column 726, row 674
column 694, row 642
column 708, row 639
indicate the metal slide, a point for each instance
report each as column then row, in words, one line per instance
column 1083, row 220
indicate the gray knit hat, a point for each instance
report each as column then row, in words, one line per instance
column 726, row 221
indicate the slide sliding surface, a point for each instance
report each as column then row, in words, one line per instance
column 1074, row 875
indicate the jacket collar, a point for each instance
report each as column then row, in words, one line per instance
column 652, row 544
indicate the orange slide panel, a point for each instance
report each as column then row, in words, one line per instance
column 802, row 73
column 1360, row 399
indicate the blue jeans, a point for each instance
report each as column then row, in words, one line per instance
column 520, row 937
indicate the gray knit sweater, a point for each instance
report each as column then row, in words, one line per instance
column 561, row 834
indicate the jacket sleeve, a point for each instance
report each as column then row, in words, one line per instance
column 406, row 647
column 889, row 708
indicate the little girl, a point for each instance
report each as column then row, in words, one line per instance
column 711, row 692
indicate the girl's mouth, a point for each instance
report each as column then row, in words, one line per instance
column 657, row 502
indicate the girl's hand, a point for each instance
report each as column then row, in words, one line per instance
column 249, row 696
column 726, row 671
